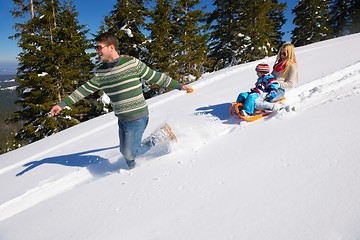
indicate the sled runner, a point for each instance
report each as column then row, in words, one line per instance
column 258, row 114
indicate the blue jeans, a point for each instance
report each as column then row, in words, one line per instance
column 130, row 136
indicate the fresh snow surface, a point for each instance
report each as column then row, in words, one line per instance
column 295, row 175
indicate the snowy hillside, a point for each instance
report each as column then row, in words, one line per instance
column 293, row 176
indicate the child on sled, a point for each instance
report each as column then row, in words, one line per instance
column 262, row 95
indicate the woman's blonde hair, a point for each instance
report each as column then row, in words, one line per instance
column 291, row 58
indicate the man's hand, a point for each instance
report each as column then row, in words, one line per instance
column 55, row 110
column 187, row 88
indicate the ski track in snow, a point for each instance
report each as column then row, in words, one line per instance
column 340, row 84
column 50, row 188
column 45, row 190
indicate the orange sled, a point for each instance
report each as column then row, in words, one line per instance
column 258, row 114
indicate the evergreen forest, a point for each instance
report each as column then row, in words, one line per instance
column 176, row 37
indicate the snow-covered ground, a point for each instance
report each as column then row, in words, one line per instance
column 293, row 176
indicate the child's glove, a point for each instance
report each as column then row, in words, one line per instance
column 270, row 96
column 260, row 87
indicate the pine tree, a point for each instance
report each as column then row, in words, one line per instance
column 261, row 33
column 191, row 40
column 127, row 21
column 53, row 63
column 224, row 33
column 245, row 30
column 276, row 14
column 340, row 17
column 311, row 22
column 161, row 45
column 354, row 25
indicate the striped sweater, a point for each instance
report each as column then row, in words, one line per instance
column 120, row 80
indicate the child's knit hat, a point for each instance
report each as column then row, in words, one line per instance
column 263, row 68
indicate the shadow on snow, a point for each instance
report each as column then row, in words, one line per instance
column 97, row 165
column 220, row 111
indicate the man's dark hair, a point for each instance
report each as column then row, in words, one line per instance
column 108, row 38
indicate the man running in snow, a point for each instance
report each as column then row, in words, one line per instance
column 119, row 77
